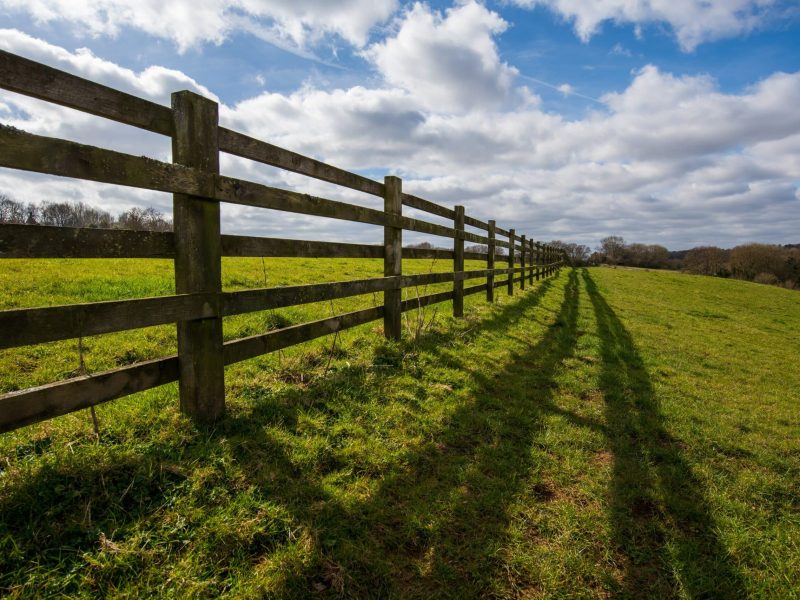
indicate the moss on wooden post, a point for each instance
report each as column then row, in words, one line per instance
column 511, row 261
column 392, row 258
column 531, row 252
column 198, row 266
column 458, row 263
column 490, row 262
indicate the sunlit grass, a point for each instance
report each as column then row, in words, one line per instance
column 609, row 432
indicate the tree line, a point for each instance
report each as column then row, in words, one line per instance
column 79, row 214
column 762, row 263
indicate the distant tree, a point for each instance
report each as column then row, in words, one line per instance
column 612, row 248
column 422, row 246
column 595, row 258
column 577, row 254
column 11, row 211
column 707, row 260
column 766, row 278
column 748, row 260
column 88, row 216
column 79, row 214
column 58, row 214
column 144, row 219
column 646, row 255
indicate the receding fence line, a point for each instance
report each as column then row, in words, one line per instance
column 197, row 247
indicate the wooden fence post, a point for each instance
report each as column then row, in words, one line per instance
column 523, row 252
column 458, row 263
column 392, row 257
column 198, row 262
column 532, row 260
column 547, row 261
column 538, row 261
column 490, row 262
column 511, row 262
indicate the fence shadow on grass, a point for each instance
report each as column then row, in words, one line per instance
column 433, row 526
column 444, row 506
column 661, row 520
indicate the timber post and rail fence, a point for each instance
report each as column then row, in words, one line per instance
column 197, row 246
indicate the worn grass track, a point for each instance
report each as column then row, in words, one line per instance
column 609, row 432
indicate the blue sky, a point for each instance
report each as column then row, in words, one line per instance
column 671, row 122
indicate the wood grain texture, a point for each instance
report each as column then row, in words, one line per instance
column 21, row 327
column 249, row 347
column 26, row 407
column 42, row 241
column 245, row 146
column 198, row 260
column 36, row 80
column 428, row 206
column 458, row 264
column 490, row 258
column 393, row 257
column 511, row 262
column 238, row 245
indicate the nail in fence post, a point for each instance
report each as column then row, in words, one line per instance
column 523, row 252
column 511, row 261
column 392, row 257
column 532, row 260
column 490, row 262
column 198, row 263
column 458, row 264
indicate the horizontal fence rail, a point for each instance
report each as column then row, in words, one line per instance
column 197, row 246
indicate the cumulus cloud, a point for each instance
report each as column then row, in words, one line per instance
column 693, row 21
column 448, row 62
column 670, row 159
column 188, row 23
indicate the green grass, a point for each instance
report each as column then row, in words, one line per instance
column 610, row 432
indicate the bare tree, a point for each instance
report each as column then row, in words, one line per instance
column 613, row 248
column 11, row 211
column 147, row 219
column 707, row 260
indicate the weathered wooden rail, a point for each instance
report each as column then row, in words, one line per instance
column 197, row 246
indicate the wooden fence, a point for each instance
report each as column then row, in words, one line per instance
column 197, row 246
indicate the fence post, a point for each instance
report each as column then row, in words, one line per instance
column 490, row 262
column 511, row 238
column 547, row 261
column 544, row 261
column 198, row 262
column 538, row 261
column 530, row 269
column 522, row 254
column 392, row 256
column 458, row 263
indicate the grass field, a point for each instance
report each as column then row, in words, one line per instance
column 610, row 432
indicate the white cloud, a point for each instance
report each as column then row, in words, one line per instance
column 188, row 23
column 669, row 160
column 447, row 62
column 566, row 89
column 693, row 21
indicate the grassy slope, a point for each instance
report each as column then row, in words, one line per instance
column 611, row 431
